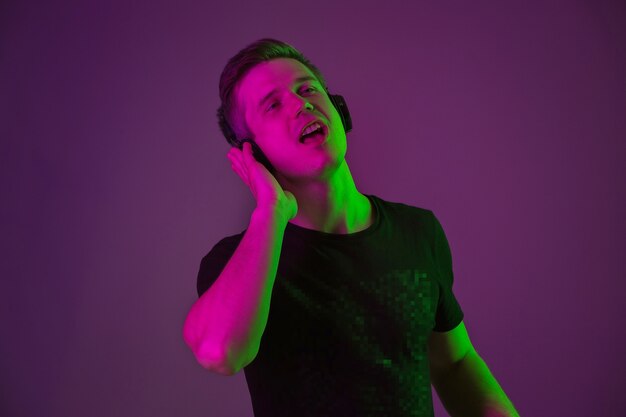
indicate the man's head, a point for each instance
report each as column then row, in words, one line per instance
column 270, row 92
column 230, row 117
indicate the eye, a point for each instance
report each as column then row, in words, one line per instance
column 273, row 105
column 309, row 89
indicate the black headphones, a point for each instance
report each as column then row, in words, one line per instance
column 337, row 100
column 342, row 109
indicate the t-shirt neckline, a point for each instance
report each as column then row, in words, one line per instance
column 342, row 236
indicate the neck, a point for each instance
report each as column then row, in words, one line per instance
column 331, row 205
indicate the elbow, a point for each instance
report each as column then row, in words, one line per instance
column 219, row 353
column 209, row 355
column 220, row 367
column 218, row 359
column 213, row 358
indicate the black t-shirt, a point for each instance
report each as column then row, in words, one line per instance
column 350, row 316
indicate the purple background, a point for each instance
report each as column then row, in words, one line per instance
column 505, row 118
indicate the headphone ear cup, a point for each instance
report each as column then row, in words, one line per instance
column 259, row 155
column 342, row 109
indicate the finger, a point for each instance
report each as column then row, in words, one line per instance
column 240, row 173
column 235, row 159
column 248, row 157
column 236, row 156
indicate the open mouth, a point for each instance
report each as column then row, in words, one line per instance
column 314, row 133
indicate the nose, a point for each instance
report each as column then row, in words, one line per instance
column 299, row 104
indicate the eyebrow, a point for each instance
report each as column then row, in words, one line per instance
column 297, row 80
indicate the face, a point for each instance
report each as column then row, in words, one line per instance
column 279, row 99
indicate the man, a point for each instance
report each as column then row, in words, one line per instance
column 334, row 303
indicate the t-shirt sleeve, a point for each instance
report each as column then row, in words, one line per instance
column 213, row 263
column 449, row 313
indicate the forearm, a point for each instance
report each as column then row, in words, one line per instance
column 225, row 325
column 469, row 389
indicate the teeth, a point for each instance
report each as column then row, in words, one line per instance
column 311, row 128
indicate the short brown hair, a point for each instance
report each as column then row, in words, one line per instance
column 232, row 125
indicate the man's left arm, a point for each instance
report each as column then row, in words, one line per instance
column 461, row 378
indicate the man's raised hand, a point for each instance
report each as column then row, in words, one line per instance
column 268, row 193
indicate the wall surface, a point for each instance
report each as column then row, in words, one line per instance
column 507, row 119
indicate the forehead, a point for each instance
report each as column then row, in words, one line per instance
column 264, row 77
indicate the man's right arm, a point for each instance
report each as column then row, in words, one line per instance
column 225, row 325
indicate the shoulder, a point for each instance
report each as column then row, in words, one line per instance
column 407, row 214
column 213, row 262
column 226, row 245
column 402, row 209
column 420, row 222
